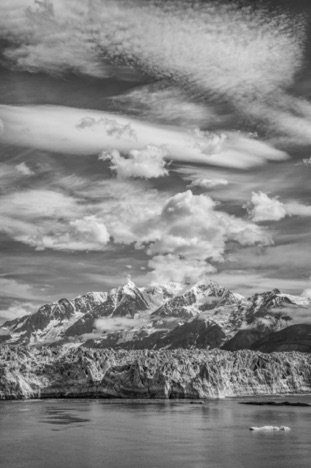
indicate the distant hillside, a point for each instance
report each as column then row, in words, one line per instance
column 293, row 338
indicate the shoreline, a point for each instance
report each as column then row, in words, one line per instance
column 249, row 399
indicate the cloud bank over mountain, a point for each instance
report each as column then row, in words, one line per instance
column 167, row 138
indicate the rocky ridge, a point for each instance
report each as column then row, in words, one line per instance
column 199, row 315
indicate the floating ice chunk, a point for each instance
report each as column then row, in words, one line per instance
column 270, row 428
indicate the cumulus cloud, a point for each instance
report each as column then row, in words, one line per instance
column 87, row 233
column 146, row 163
column 183, row 229
column 189, row 225
column 110, row 126
column 166, row 268
column 264, row 208
column 189, row 234
column 22, row 168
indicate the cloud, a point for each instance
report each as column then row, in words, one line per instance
column 11, row 174
column 264, row 208
column 22, row 168
column 249, row 282
column 88, row 233
column 13, row 288
column 189, row 225
column 115, row 324
column 17, row 310
column 183, row 229
column 207, row 183
column 307, row 293
column 162, row 102
column 206, row 57
column 48, row 219
column 110, row 126
column 146, row 163
column 188, row 233
column 194, row 46
column 214, row 50
column 166, row 268
column 297, row 209
column 56, row 129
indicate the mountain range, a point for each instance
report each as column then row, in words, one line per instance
column 195, row 315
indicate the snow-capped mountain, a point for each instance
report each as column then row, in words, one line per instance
column 203, row 314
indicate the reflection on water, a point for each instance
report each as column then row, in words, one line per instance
column 61, row 416
column 89, row 433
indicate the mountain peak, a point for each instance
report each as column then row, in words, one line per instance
column 129, row 289
column 157, row 311
column 130, row 284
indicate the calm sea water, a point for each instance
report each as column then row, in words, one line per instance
column 89, row 433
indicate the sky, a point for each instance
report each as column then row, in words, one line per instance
column 153, row 140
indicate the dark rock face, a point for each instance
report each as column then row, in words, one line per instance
column 196, row 333
column 83, row 325
column 244, row 339
column 195, row 374
column 294, row 338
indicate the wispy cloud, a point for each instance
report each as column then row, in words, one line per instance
column 23, row 169
column 248, row 282
column 214, row 50
column 48, row 219
column 191, row 45
column 16, row 310
column 165, row 103
column 207, row 183
column 12, row 174
column 17, row 289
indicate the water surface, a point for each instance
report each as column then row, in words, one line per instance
column 90, row 433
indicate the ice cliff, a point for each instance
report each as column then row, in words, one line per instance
column 79, row 372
